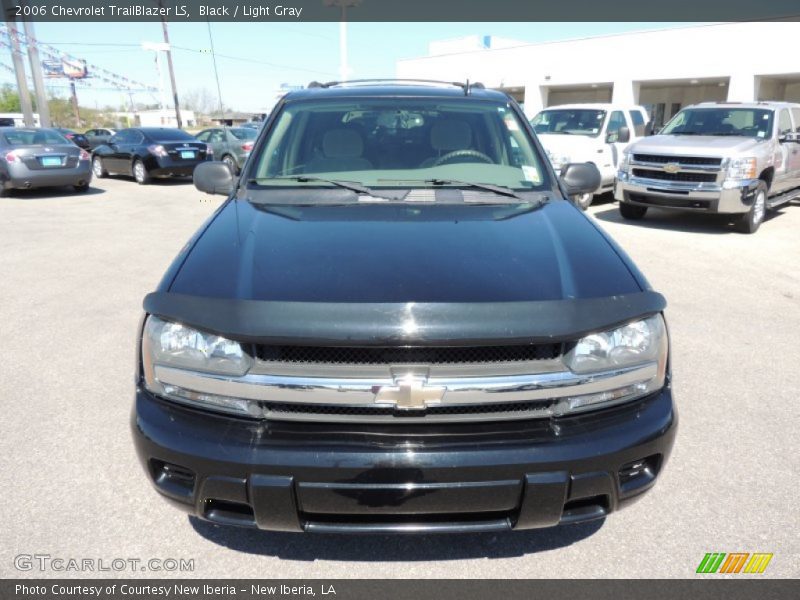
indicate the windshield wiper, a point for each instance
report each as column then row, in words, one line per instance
column 353, row 186
column 497, row 189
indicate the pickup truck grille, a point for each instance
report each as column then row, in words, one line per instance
column 359, row 356
column 683, row 160
column 679, row 176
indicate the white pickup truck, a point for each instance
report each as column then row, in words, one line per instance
column 593, row 133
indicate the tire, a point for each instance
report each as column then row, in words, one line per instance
column 81, row 189
column 583, row 201
column 98, row 168
column 750, row 221
column 140, row 173
column 229, row 160
column 632, row 212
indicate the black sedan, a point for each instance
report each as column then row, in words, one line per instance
column 148, row 152
column 76, row 138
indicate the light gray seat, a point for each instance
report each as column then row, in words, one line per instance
column 448, row 135
column 342, row 150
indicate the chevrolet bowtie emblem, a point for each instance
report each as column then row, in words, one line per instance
column 410, row 393
column 672, row 167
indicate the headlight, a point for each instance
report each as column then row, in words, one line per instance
column 625, row 163
column 638, row 348
column 742, row 168
column 634, row 344
column 172, row 345
column 557, row 161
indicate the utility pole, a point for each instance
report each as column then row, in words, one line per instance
column 171, row 69
column 19, row 64
column 216, row 73
column 36, row 71
column 75, row 103
column 343, row 5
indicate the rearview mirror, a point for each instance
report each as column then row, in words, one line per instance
column 580, row 178
column 214, row 177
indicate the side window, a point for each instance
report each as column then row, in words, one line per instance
column 203, row 135
column 796, row 115
column 216, row 136
column 638, row 122
column 123, row 137
column 615, row 121
column 784, row 123
column 91, row 132
column 136, row 137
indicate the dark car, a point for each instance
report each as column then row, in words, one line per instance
column 39, row 157
column 399, row 322
column 98, row 137
column 76, row 138
column 148, row 152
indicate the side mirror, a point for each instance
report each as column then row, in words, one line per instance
column 580, row 178
column 214, row 177
column 650, row 128
column 788, row 138
column 624, row 135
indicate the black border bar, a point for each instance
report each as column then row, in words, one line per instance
column 401, row 10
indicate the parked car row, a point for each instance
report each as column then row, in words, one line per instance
column 739, row 159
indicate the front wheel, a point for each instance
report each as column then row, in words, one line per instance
column 140, row 174
column 632, row 212
column 81, row 188
column 584, row 201
column 750, row 221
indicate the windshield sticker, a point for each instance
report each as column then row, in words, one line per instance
column 761, row 134
column 531, row 174
column 511, row 123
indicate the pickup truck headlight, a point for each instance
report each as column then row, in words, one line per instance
column 742, row 168
column 173, row 345
column 625, row 163
column 557, row 161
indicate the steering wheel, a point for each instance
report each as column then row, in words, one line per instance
column 465, row 153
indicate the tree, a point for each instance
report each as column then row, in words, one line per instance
column 201, row 100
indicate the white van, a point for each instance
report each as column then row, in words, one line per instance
column 595, row 133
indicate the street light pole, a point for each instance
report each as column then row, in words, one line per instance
column 36, row 71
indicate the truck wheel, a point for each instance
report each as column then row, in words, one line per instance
column 584, row 201
column 750, row 221
column 140, row 173
column 632, row 212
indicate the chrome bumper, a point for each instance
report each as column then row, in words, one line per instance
column 729, row 197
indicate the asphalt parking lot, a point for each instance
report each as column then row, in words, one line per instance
column 74, row 269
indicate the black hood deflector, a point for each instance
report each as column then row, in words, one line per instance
column 408, row 324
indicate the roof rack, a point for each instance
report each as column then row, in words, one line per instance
column 467, row 87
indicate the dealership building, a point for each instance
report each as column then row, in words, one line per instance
column 662, row 70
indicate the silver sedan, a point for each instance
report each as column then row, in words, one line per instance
column 38, row 157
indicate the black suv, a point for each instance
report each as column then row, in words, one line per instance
column 397, row 322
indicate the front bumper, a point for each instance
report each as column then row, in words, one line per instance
column 729, row 198
column 401, row 478
column 21, row 177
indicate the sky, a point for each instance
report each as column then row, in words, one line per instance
column 254, row 59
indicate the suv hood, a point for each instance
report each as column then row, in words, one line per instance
column 696, row 145
column 402, row 253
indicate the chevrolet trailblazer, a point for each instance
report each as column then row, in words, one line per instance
column 399, row 322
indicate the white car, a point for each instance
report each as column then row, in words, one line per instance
column 594, row 133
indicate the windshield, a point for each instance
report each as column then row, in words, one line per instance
column 746, row 122
column 241, row 133
column 569, row 121
column 391, row 142
column 34, row 137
